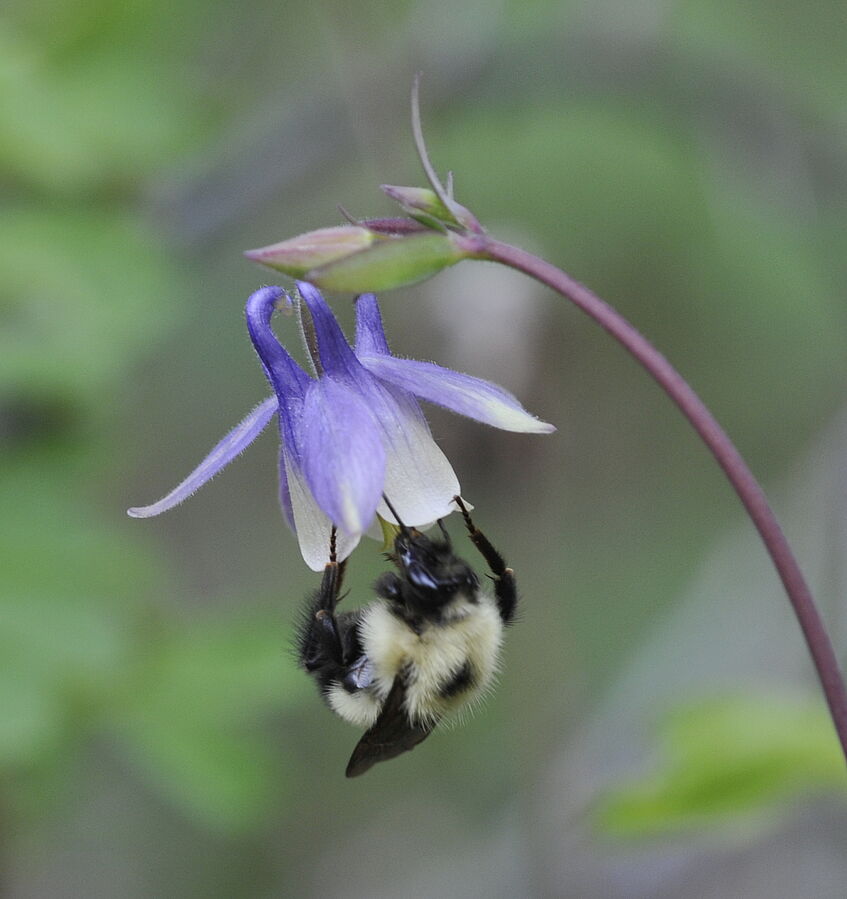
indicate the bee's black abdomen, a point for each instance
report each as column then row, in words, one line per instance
column 461, row 681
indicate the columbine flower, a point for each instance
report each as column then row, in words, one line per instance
column 354, row 432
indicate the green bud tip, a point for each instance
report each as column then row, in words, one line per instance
column 425, row 205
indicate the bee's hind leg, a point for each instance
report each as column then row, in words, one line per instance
column 505, row 586
column 320, row 644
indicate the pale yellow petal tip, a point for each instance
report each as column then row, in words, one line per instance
column 525, row 423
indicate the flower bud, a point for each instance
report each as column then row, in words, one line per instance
column 426, row 206
column 305, row 252
column 391, row 262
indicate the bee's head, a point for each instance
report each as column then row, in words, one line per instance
column 430, row 574
column 430, row 568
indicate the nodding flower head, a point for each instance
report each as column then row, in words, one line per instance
column 354, row 432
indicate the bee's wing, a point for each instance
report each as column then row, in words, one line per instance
column 391, row 734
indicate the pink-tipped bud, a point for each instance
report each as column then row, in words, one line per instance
column 314, row 249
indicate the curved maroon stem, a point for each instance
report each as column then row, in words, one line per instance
column 728, row 457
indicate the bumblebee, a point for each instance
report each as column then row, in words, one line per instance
column 428, row 646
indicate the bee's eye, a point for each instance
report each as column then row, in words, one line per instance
column 420, row 576
column 416, row 557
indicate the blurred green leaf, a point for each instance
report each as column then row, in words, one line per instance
column 70, row 600
column 224, row 779
column 600, row 181
column 83, row 654
column 763, row 297
column 728, row 761
column 80, row 123
column 222, row 671
column 80, row 293
column 189, row 711
column 690, row 255
column 32, row 718
column 801, row 46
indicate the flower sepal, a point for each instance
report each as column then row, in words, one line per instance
column 392, row 262
column 299, row 255
column 389, row 531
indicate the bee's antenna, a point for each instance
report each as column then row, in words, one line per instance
column 444, row 533
column 332, row 549
column 393, row 511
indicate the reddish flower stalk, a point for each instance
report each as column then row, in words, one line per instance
column 722, row 448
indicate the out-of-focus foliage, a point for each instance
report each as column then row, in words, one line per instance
column 85, row 292
column 725, row 764
column 83, row 116
column 91, row 645
column 189, row 713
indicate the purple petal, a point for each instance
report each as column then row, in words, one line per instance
column 285, row 490
column 466, row 395
column 370, row 335
column 288, row 380
column 335, row 353
column 343, row 457
column 238, row 439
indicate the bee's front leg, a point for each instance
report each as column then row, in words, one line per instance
column 505, row 586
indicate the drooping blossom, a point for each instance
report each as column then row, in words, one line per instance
column 354, row 432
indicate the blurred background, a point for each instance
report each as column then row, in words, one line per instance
column 658, row 731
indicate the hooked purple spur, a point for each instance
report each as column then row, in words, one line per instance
column 353, row 432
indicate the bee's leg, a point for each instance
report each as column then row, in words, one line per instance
column 320, row 644
column 338, row 655
column 505, row 587
column 329, row 646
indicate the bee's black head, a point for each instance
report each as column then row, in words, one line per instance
column 430, row 573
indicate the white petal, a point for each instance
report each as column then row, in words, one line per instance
column 419, row 481
column 312, row 525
